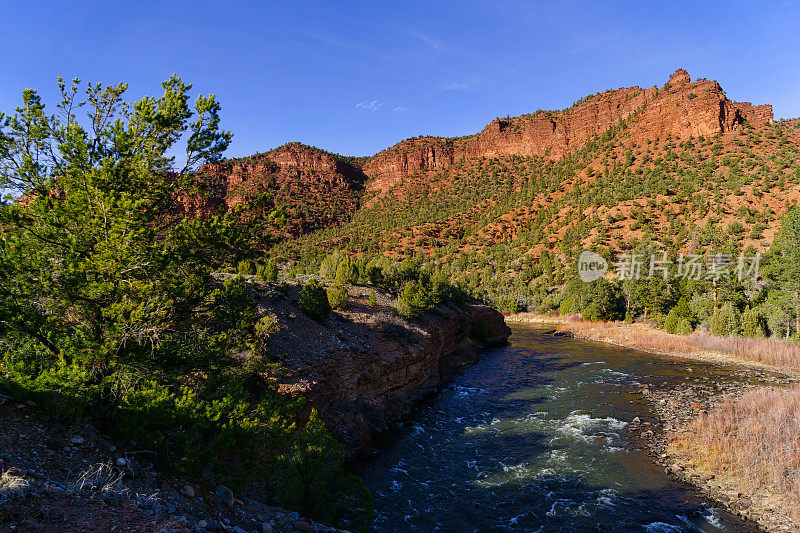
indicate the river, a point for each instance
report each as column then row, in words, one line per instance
column 532, row 438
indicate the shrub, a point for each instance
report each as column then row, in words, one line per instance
column 725, row 320
column 753, row 323
column 313, row 479
column 672, row 320
column 684, row 327
column 373, row 299
column 592, row 312
column 314, row 301
column 702, row 306
column 657, row 320
column 246, row 267
column 268, row 272
column 414, row 300
column 508, row 303
column 266, row 326
column 338, row 296
column 347, row 272
column 568, row 306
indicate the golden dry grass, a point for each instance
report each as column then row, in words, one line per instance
column 772, row 352
column 754, row 441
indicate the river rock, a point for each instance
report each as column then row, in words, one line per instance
column 76, row 440
column 225, row 495
column 188, row 491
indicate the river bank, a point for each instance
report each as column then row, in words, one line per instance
column 695, row 435
column 533, row 437
column 767, row 354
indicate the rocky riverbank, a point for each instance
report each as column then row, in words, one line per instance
column 676, row 406
column 675, row 409
column 758, row 353
column 364, row 368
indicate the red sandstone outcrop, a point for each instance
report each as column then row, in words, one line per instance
column 410, row 156
column 363, row 369
column 294, row 174
column 681, row 108
column 302, row 156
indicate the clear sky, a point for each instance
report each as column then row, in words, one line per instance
column 356, row 77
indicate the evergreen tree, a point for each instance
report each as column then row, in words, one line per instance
column 314, row 301
column 784, row 260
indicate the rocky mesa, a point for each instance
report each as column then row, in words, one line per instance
column 681, row 108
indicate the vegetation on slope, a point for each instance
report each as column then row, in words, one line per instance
column 509, row 230
column 109, row 305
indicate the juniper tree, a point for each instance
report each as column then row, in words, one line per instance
column 96, row 274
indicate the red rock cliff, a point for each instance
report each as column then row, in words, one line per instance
column 682, row 108
column 294, row 174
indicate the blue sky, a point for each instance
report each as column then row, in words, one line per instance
column 356, row 77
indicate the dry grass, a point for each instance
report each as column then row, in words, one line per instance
column 101, row 481
column 770, row 352
column 12, row 486
column 754, row 441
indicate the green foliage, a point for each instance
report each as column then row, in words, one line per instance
column 265, row 327
column 95, row 277
column 246, row 267
column 778, row 311
column 684, row 327
column 312, row 479
column 657, row 319
column 414, row 300
column 509, row 304
column 569, row 306
column 347, row 272
column 373, row 299
column 672, row 321
column 314, row 301
column 725, row 320
column 268, row 272
column 222, row 429
column 108, row 305
column 592, row 312
column 338, row 296
column 702, row 306
column 753, row 323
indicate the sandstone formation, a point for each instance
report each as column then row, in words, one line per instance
column 321, row 189
column 681, row 108
column 364, row 369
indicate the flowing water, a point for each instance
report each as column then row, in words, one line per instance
column 532, row 438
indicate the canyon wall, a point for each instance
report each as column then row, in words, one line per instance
column 681, row 108
column 364, row 369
